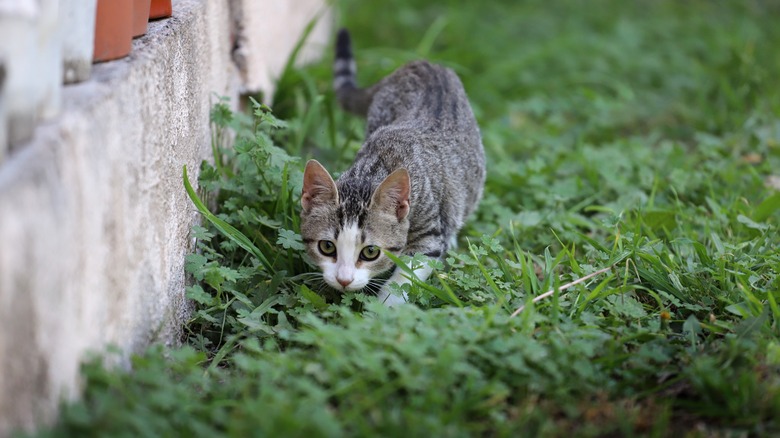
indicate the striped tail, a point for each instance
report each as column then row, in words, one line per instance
column 350, row 97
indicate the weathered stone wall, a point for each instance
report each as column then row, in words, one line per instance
column 94, row 219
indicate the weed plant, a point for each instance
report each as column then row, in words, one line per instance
column 638, row 141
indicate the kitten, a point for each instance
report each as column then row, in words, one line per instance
column 415, row 180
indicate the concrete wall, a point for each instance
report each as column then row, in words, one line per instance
column 31, row 51
column 94, row 219
column 77, row 24
column 257, row 55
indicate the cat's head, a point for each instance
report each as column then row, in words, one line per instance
column 345, row 229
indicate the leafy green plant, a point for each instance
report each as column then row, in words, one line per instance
column 250, row 259
column 621, row 276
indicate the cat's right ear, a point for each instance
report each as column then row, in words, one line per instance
column 318, row 186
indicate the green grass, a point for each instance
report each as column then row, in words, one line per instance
column 641, row 137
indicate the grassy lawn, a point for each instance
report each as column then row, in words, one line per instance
column 635, row 140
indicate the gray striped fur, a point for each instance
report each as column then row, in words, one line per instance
column 418, row 119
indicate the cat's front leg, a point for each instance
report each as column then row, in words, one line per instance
column 400, row 277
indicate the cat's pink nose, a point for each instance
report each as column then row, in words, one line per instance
column 344, row 282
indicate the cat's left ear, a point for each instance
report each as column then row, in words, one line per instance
column 393, row 194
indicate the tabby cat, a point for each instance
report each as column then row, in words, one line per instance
column 417, row 177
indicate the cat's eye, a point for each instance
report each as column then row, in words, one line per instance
column 327, row 248
column 370, row 253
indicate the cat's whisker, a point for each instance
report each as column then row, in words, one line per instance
column 371, row 288
column 306, row 276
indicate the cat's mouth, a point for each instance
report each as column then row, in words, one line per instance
column 351, row 288
column 370, row 286
column 354, row 286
